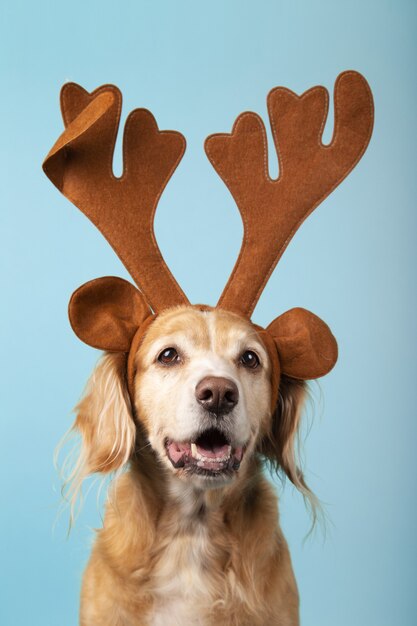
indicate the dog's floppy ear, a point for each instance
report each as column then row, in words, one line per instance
column 104, row 419
column 305, row 344
column 106, row 312
column 279, row 444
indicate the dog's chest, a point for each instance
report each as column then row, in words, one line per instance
column 183, row 585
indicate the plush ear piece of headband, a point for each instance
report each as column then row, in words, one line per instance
column 305, row 344
column 106, row 312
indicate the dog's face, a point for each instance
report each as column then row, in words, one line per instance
column 202, row 392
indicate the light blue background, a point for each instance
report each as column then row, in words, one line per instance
column 196, row 65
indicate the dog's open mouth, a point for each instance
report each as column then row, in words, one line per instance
column 210, row 453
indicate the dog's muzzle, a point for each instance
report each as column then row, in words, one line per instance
column 209, row 454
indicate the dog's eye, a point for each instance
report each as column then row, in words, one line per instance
column 249, row 359
column 169, row 356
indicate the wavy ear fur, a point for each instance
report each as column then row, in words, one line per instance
column 279, row 445
column 104, row 419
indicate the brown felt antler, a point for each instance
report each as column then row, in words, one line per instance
column 80, row 165
column 273, row 210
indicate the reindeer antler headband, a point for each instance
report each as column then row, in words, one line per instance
column 108, row 313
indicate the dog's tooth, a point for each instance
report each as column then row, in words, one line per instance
column 208, row 459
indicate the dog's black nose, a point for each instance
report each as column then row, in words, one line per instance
column 217, row 395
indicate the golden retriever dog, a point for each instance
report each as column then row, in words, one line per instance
column 191, row 532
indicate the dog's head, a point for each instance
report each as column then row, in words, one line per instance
column 204, row 390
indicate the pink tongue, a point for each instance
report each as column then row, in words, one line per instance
column 213, row 451
column 178, row 450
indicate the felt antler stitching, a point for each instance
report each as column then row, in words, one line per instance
column 80, row 165
column 273, row 210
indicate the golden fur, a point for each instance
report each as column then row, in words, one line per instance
column 176, row 549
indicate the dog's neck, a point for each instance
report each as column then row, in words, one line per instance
column 196, row 504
